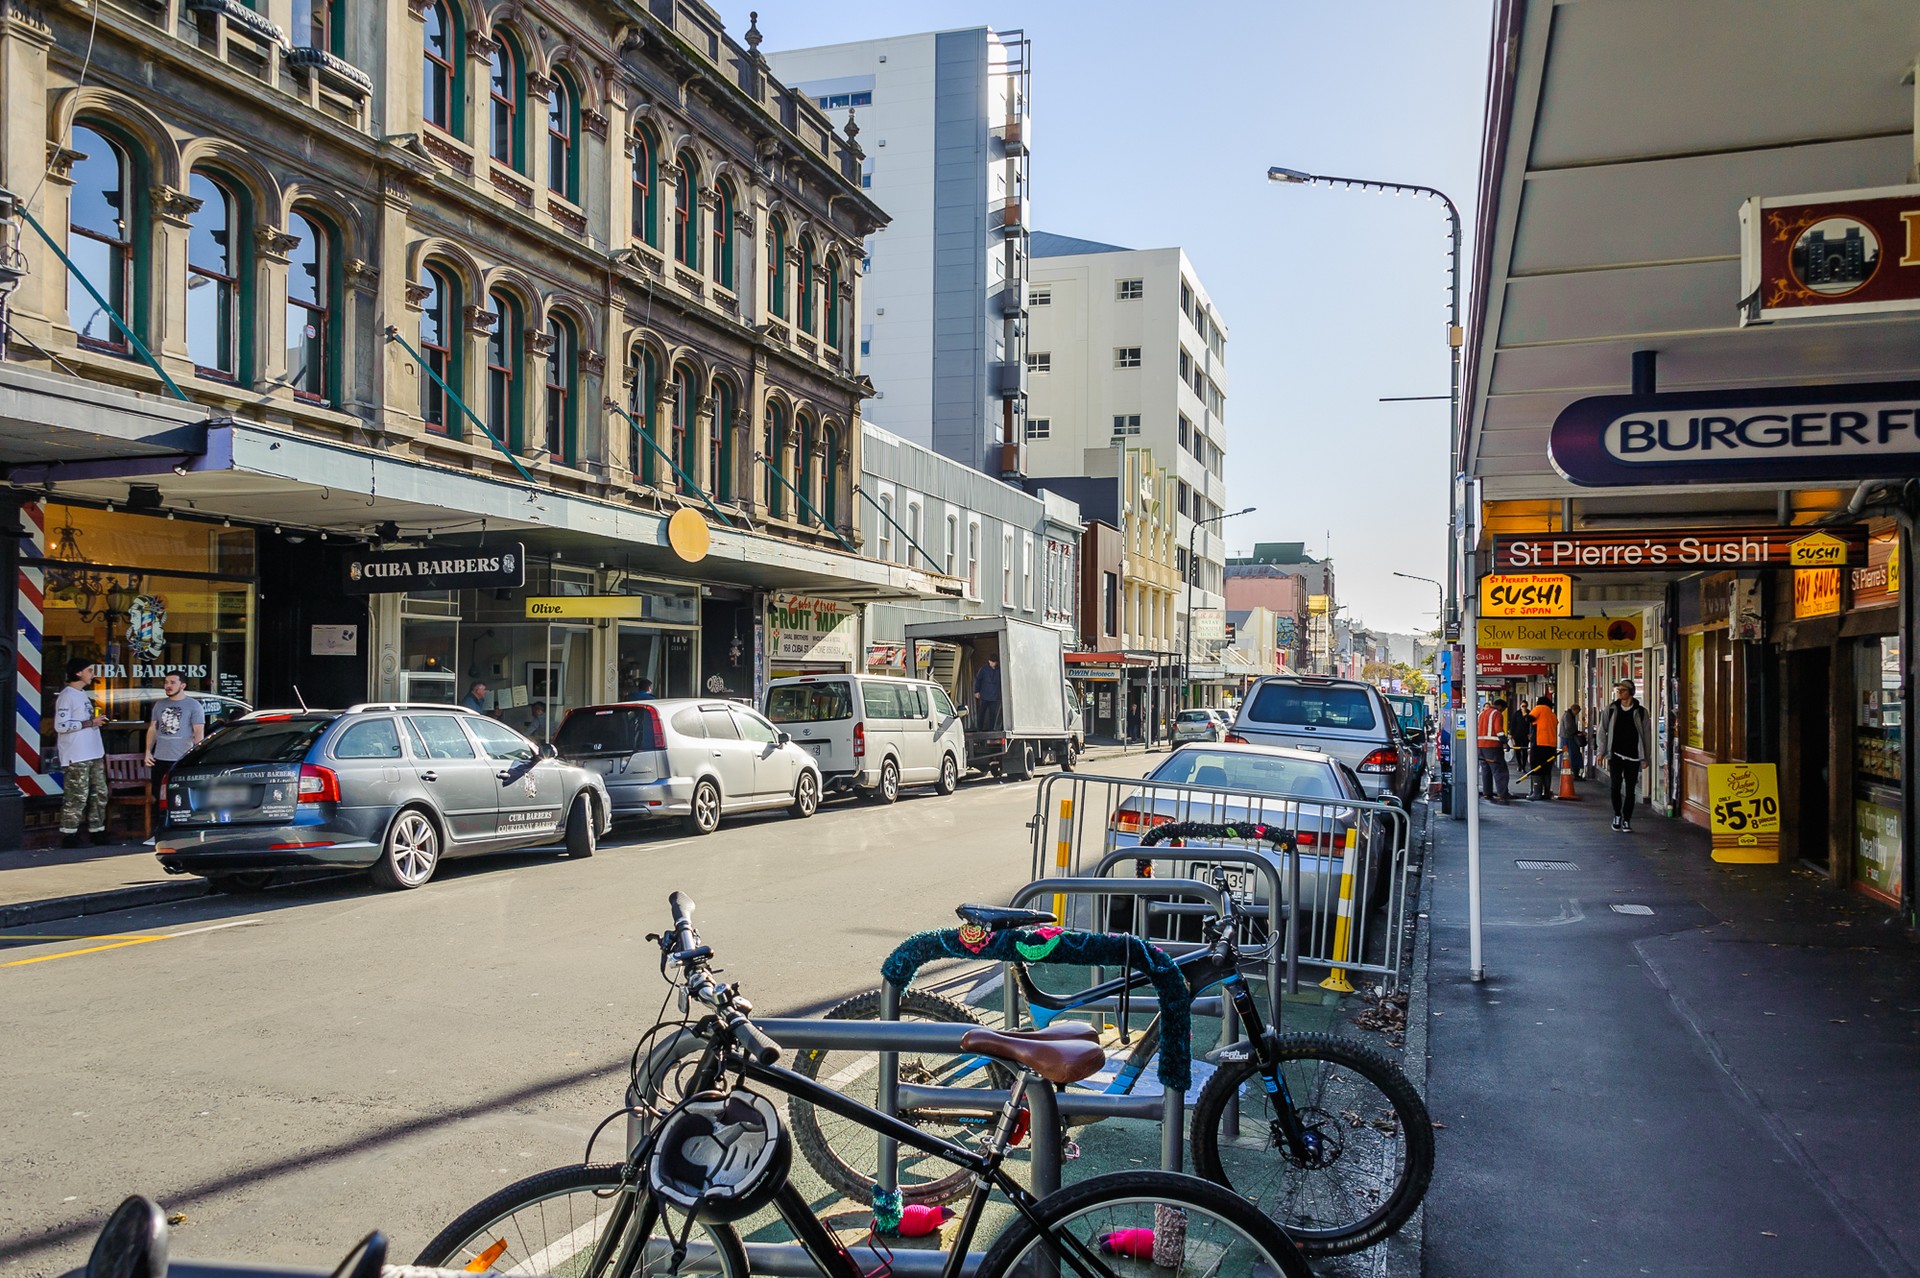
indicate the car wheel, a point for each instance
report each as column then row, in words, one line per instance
column 241, row 883
column 1020, row 760
column 949, row 775
column 705, row 816
column 1064, row 756
column 806, row 796
column 409, row 853
column 889, row 788
column 583, row 836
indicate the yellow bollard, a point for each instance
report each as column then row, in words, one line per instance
column 1343, row 924
column 1062, row 854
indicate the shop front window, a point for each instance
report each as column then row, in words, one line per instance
column 1878, row 748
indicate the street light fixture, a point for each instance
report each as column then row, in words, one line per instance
column 1450, row 615
column 1442, row 614
column 1186, row 663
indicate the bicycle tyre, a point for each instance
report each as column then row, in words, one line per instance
column 847, row 1155
column 1342, row 1087
column 587, row 1190
column 1133, row 1199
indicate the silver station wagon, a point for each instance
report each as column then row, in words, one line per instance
column 390, row 788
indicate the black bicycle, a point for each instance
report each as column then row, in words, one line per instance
column 1322, row 1131
column 719, row 1154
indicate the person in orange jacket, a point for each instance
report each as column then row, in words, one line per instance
column 1492, row 742
column 1545, row 730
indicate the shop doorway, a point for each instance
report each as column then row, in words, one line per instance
column 1809, row 696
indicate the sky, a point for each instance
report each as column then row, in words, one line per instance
column 1155, row 125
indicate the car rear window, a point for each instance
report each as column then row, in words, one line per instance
column 605, row 730
column 689, row 724
column 262, row 741
column 1195, row 716
column 369, row 739
column 809, row 703
column 1306, row 705
column 1261, row 774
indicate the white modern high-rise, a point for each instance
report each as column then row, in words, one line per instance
column 943, row 117
column 1124, row 347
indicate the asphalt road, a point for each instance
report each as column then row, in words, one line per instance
column 293, row 1069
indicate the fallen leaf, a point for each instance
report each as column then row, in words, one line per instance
column 177, row 1218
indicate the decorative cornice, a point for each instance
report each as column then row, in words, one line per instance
column 481, row 48
column 479, row 319
column 417, row 295
column 743, row 222
column 417, row 9
column 540, row 85
column 273, row 243
column 710, row 199
column 236, row 13
column 339, row 72
column 641, row 259
column 520, row 190
column 594, row 122
column 60, row 161
column 793, row 255
column 362, row 276
column 447, row 151
column 593, row 362
column 27, row 20
column 539, row 342
column 170, row 205
column 566, row 215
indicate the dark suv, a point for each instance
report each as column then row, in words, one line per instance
column 1343, row 718
column 389, row 788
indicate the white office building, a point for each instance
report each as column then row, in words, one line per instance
column 943, row 118
column 1125, row 348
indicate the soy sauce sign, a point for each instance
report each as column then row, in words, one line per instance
column 1535, row 594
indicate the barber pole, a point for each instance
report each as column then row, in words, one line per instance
column 27, row 698
column 1343, row 924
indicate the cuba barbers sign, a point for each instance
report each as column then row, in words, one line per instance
column 1828, row 433
column 382, row 572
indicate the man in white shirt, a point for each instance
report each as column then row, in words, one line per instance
column 83, row 757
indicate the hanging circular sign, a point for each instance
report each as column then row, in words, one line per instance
column 688, row 534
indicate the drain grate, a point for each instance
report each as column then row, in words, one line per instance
column 1546, row 865
column 1632, row 909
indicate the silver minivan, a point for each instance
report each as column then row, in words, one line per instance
column 873, row 733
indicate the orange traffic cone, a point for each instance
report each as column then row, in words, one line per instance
column 1566, row 777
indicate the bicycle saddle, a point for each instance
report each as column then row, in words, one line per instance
column 1058, row 1060
column 996, row 917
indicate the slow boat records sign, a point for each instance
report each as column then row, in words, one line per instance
column 383, row 572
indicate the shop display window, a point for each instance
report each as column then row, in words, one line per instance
column 1878, row 746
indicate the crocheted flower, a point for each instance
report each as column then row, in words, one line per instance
column 974, row 937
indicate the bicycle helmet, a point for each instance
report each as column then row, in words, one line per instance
column 721, row 1156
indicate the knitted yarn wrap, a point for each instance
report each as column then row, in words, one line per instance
column 1078, row 949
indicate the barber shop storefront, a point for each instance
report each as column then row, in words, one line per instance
column 142, row 596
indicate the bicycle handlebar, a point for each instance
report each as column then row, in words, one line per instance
column 726, row 1000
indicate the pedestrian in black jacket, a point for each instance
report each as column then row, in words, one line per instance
column 1624, row 743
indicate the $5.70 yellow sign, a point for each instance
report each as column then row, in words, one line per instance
column 1744, row 800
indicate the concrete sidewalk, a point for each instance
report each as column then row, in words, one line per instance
column 38, row 885
column 1673, row 1066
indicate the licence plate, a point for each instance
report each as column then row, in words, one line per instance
column 1237, row 877
column 226, row 796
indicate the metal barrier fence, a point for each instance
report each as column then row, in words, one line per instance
column 1350, row 879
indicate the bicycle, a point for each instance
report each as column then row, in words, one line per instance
column 616, row 1220
column 1322, row 1131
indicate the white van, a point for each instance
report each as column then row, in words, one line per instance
column 872, row 733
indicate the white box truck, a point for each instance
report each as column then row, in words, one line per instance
column 1035, row 721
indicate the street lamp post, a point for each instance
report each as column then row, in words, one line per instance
column 1186, row 662
column 1450, row 618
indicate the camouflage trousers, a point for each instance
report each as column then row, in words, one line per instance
column 85, row 792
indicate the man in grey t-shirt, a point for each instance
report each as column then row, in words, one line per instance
column 177, row 725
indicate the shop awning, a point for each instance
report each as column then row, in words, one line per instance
column 57, row 422
column 1105, row 659
column 261, row 475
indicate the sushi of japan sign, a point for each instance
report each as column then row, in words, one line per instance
column 1839, row 253
column 1863, row 430
column 1533, row 594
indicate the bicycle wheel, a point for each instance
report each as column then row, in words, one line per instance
column 1147, row 1224
column 1375, row 1153
column 847, row 1155
column 553, row 1222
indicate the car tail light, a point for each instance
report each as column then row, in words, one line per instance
column 1307, row 838
column 859, row 740
column 1236, row 739
column 295, row 847
column 1127, row 821
column 1385, row 759
column 318, row 785
column 655, row 736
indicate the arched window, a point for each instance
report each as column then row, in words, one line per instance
column 777, row 267
column 886, row 528
column 507, row 96
column 443, row 85
column 440, row 347
column 686, row 402
column 913, row 530
column 830, row 476
column 563, row 138
column 217, row 291
column 833, row 302
column 106, row 220
column 724, row 459
column 807, row 312
column 723, row 235
column 506, row 346
column 646, row 188
column 317, row 25
column 640, row 406
column 562, row 368
column 313, row 300
column 776, row 442
column 803, row 470
column 686, row 213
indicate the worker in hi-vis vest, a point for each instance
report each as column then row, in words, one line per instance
column 1493, row 752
